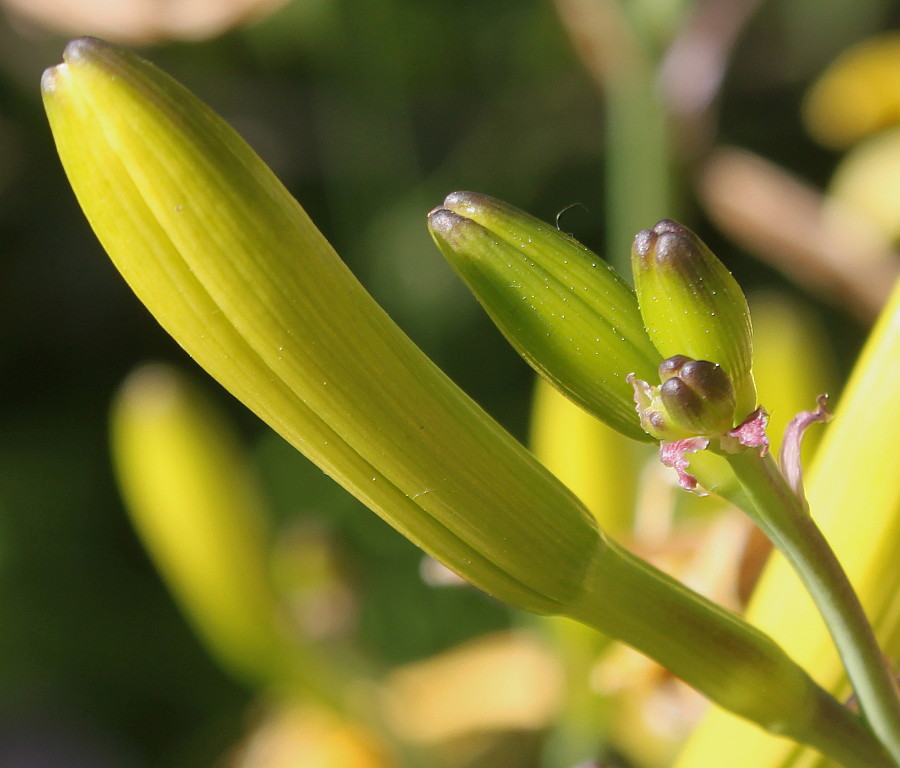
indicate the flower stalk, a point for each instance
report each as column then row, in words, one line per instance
column 765, row 495
column 690, row 302
column 847, row 741
column 848, row 473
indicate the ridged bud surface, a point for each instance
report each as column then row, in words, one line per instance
column 692, row 305
column 233, row 268
column 565, row 311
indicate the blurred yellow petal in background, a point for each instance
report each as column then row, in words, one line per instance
column 195, row 503
column 867, row 181
column 599, row 464
column 296, row 735
column 792, row 362
column 858, row 94
column 499, row 682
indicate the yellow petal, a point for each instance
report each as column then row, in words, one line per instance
column 858, row 94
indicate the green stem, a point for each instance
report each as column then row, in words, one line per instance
column 766, row 497
column 731, row 663
column 639, row 167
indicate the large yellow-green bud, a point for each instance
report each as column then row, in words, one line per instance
column 233, row 268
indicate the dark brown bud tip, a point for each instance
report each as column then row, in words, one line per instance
column 675, row 247
column 471, row 202
column 84, row 47
column 441, row 221
column 699, row 397
column 684, row 402
column 667, row 243
column 671, row 366
column 708, row 379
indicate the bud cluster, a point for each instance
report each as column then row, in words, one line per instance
column 696, row 397
column 584, row 330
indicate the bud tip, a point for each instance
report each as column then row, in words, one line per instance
column 49, row 79
column 672, row 246
column 643, row 242
column 441, row 221
column 459, row 199
column 668, row 225
column 86, row 47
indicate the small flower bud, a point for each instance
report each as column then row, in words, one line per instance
column 671, row 366
column 691, row 304
column 695, row 398
column 574, row 320
column 700, row 398
column 655, row 419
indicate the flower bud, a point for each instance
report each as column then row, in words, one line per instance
column 195, row 503
column 671, row 366
column 849, row 473
column 692, row 305
column 655, row 418
column 565, row 311
column 700, row 398
column 695, row 398
column 235, row 270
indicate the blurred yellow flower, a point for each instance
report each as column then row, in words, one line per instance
column 858, row 94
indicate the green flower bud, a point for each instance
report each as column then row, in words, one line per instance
column 692, row 305
column 565, row 311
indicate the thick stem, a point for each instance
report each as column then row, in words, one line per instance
column 711, row 649
column 766, row 497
